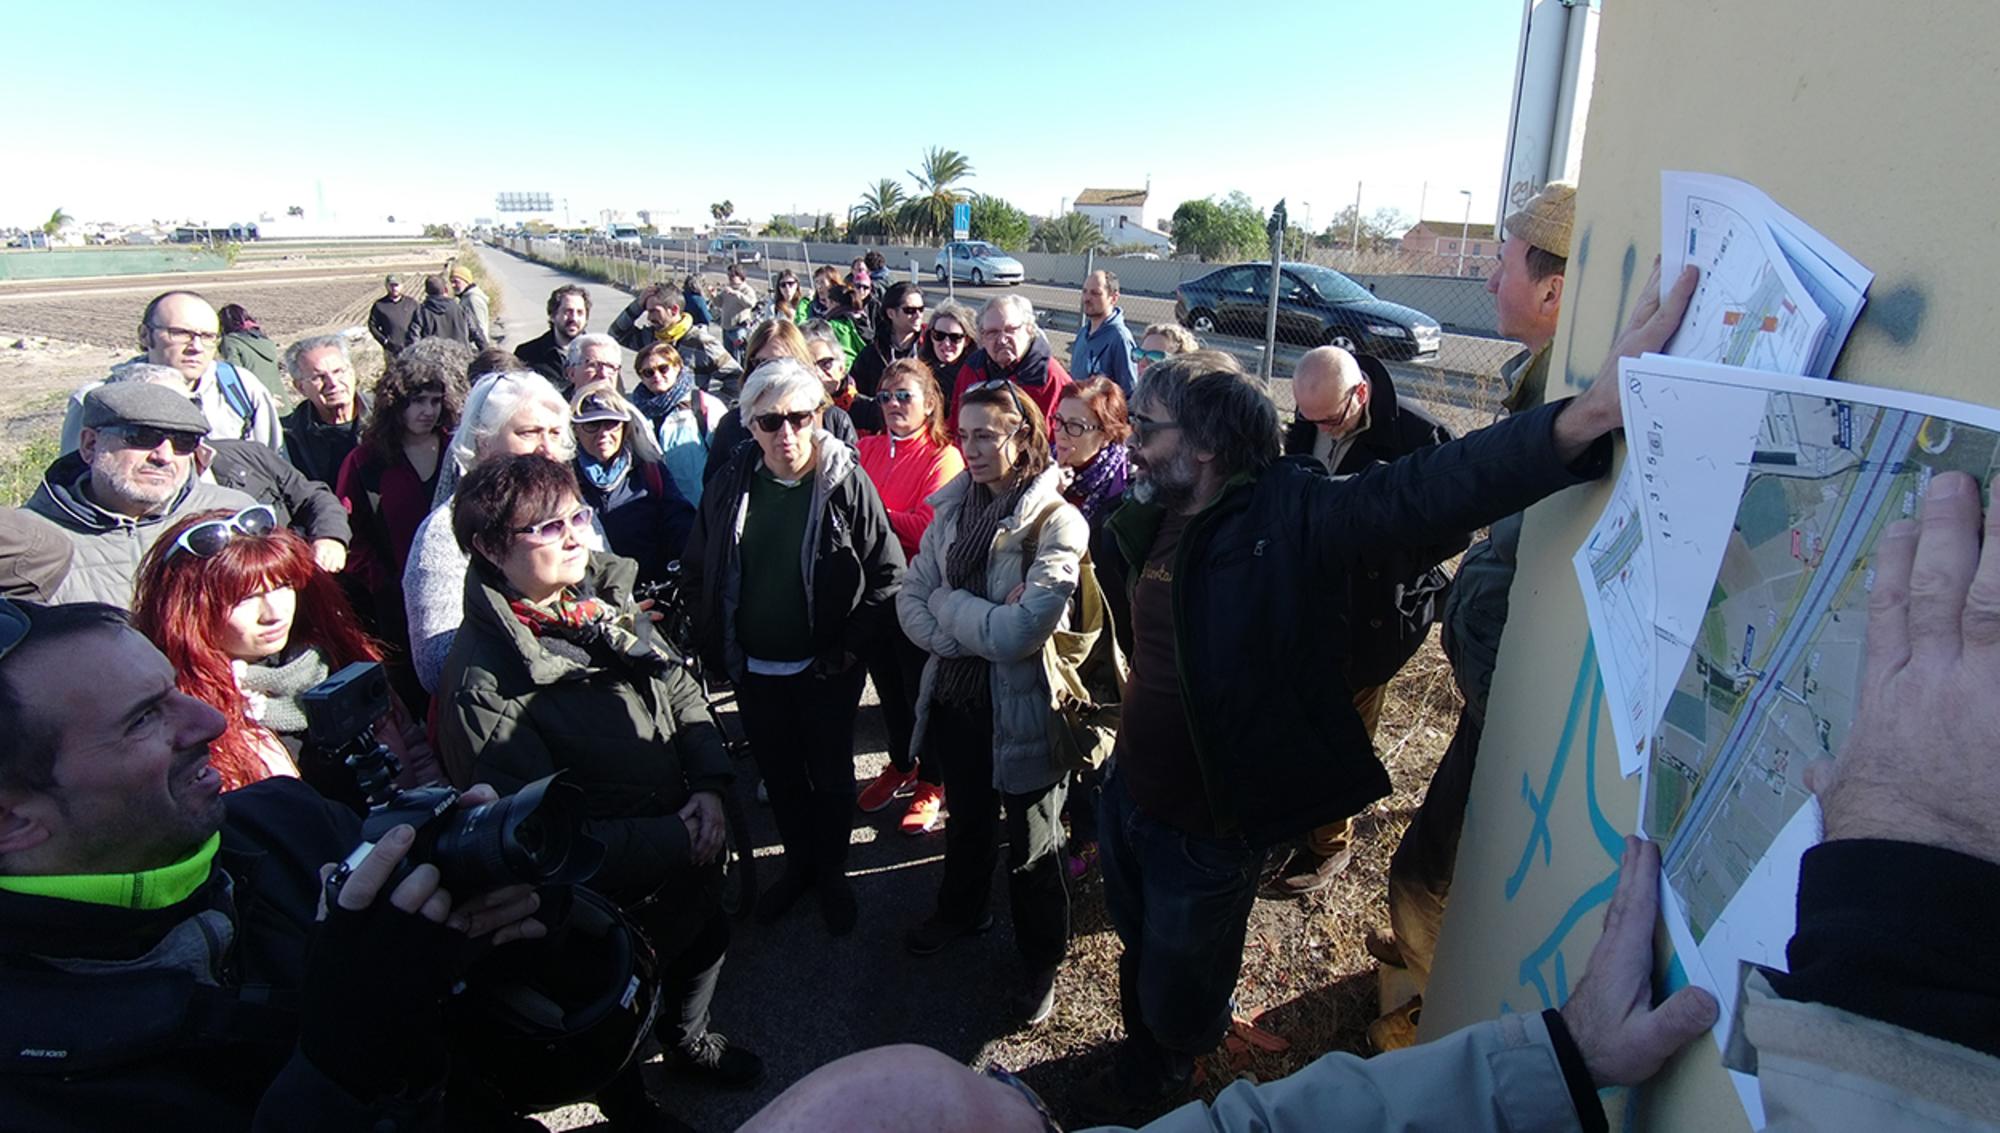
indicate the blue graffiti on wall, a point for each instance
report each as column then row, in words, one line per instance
column 1544, row 968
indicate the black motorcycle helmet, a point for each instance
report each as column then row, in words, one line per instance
column 544, row 1023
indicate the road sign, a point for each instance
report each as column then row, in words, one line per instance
column 961, row 220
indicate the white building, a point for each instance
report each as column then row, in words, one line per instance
column 1121, row 215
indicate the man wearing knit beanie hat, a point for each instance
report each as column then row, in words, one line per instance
column 1527, row 289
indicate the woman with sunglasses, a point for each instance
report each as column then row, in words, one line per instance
column 793, row 566
column 787, row 301
column 682, row 417
column 909, row 461
column 643, row 514
column 947, row 344
column 769, row 341
column 249, row 622
column 557, row 669
column 510, row 414
column 990, row 586
column 900, row 336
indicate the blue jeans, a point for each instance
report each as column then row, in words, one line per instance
column 1181, row 905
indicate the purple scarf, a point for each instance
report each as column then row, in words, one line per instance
column 1099, row 485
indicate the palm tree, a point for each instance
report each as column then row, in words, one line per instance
column 928, row 215
column 56, row 221
column 876, row 214
column 722, row 210
column 1071, row 234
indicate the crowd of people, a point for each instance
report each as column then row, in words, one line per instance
column 1117, row 615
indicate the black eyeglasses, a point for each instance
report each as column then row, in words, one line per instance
column 947, row 336
column 1143, row 427
column 149, row 438
column 772, row 422
column 1072, row 428
column 208, row 538
column 905, row 396
column 916, row 310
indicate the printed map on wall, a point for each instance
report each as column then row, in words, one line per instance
column 1763, row 496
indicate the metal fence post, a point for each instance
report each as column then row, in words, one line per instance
column 1277, row 230
column 950, row 276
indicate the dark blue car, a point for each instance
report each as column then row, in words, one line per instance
column 1316, row 306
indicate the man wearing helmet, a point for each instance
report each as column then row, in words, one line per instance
column 159, row 952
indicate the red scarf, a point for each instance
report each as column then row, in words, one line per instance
column 568, row 613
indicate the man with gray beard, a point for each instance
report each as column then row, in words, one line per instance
column 131, row 476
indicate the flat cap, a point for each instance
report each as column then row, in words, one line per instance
column 1544, row 219
column 143, row 404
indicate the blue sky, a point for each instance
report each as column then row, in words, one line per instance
column 425, row 110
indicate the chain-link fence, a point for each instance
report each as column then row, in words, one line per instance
column 1416, row 299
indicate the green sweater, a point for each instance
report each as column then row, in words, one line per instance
column 772, row 622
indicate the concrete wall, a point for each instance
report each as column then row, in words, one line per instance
column 1781, row 94
column 68, row 263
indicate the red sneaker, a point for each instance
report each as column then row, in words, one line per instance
column 926, row 811
column 890, row 785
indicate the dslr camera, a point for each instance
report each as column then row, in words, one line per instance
column 533, row 836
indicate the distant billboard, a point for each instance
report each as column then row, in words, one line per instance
column 524, row 202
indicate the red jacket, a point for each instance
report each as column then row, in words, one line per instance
column 905, row 473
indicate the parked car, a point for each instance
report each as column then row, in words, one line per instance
column 735, row 250
column 1316, row 305
column 978, row 262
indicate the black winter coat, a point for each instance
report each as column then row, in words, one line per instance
column 305, row 505
column 542, row 355
column 1260, row 602
column 1394, row 600
column 855, row 568
column 634, row 733
column 149, row 1048
column 318, row 449
column 442, row 316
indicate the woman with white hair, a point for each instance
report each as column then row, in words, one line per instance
column 509, row 414
column 794, row 568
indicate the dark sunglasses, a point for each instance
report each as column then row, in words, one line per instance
column 207, row 539
column 659, row 371
column 149, row 438
column 772, row 422
column 946, row 336
column 905, row 396
column 916, row 310
column 1139, row 355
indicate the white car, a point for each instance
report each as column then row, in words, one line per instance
column 977, row 263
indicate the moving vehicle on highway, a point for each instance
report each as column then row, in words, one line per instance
column 977, row 262
column 623, row 233
column 735, row 250
column 1316, row 306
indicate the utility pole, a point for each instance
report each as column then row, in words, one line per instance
column 1354, row 242
column 1276, row 226
column 1463, row 229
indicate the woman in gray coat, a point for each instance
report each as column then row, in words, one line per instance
column 990, row 585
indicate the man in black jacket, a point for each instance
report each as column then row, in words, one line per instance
column 159, row 956
column 326, row 424
column 569, row 316
column 1238, row 565
column 1349, row 419
column 389, row 319
column 443, row 316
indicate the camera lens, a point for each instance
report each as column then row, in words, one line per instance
column 534, row 836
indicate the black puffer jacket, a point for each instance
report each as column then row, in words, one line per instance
column 853, row 568
column 1395, row 598
column 630, row 727
column 143, row 1045
column 1261, row 608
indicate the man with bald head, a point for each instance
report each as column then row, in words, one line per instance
column 180, row 329
column 1348, row 419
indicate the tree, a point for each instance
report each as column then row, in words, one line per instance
column 56, row 222
column 1381, row 230
column 826, row 231
column 1071, row 234
column 876, row 215
column 998, row 222
column 927, row 216
column 1231, row 229
column 781, row 229
column 722, row 210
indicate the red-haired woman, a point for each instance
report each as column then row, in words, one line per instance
column 249, row 622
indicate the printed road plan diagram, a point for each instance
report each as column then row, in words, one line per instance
column 1750, row 308
column 1762, row 496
